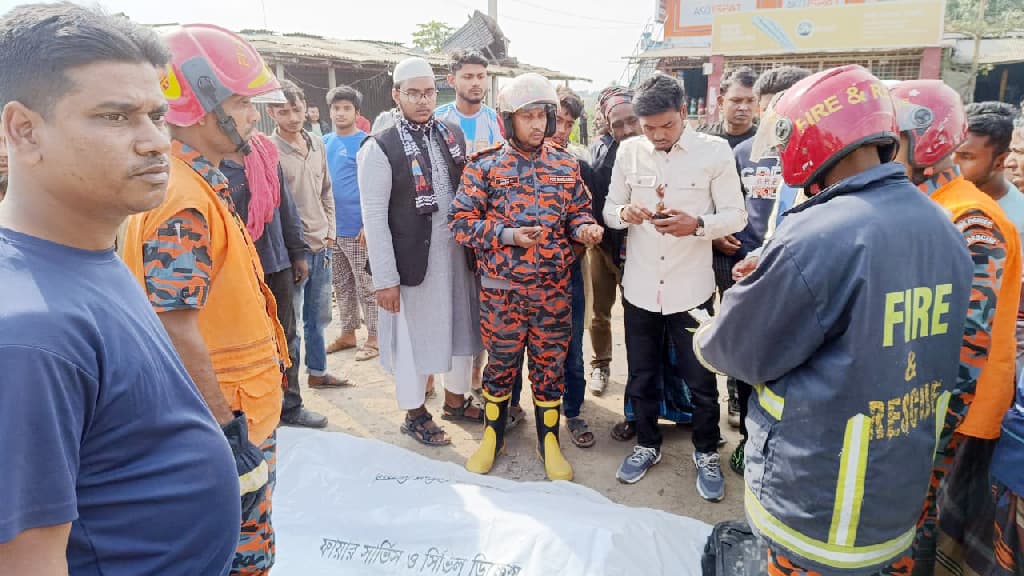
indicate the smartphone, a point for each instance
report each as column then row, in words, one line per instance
column 660, row 216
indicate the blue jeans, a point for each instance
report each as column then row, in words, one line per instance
column 313, row 310
column 575, row 381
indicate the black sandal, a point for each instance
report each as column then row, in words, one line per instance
column 624, row 431
column 459, row 412
column 580, row 433
column 417, row 428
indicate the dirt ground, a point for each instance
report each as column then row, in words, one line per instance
column 369, row 410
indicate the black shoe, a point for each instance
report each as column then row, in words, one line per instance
column 303, row 418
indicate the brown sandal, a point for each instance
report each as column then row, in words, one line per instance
column 425, row 431
column 580, row 433
column 327, row 381
column 455, row 413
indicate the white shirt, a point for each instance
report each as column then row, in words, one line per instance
column 664, row 273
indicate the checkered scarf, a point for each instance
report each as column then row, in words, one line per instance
column 426, row 200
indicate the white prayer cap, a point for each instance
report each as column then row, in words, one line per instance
column 414, row 67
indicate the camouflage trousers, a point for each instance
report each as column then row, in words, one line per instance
column 255, row 553
column 535, row 319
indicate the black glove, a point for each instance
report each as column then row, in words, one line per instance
column 253, row 471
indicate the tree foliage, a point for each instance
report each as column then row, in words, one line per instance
column 1001, row 16
column 431, row 36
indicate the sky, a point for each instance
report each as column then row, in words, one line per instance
column 586, row 38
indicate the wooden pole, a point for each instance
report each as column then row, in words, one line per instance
column 1002, row 83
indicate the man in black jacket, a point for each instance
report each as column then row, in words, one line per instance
column 616, row 106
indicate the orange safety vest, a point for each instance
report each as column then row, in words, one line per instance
column 239, row 321
column 994, row 392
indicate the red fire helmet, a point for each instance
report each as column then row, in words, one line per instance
column 828, row 115
column 208, row 65
column 932, row 117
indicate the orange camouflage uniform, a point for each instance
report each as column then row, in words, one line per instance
column 525, row 303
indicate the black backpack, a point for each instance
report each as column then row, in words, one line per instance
column 734, row 550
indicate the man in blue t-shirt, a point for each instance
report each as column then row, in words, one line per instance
column 479, row 122
column 113, row 464
column 353, row 287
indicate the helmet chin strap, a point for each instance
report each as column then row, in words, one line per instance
column 228, row 126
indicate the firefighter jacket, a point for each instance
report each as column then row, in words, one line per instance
column 850, row 330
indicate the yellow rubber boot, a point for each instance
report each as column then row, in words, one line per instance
column 493, row 443
column 548, row 415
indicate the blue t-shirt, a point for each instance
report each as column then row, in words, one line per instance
column 101, row 424
column 341, row 160
column 760, row 185
column 1013, row 204
column 482, row 130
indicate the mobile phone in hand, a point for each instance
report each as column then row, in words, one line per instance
column 660, row 216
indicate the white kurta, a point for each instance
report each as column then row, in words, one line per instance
column 441, row 316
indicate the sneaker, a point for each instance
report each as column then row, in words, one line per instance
column 598, row 381
column 710, row 484
column 737, row 460
column 635, row 466
column 303, row 418
column 734, row 411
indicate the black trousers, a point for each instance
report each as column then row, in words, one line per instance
column 644, row 332
column 282, row 285
column 723, row 265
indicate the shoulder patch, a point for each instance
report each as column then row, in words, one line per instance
column 486, row 151
column 975, row 221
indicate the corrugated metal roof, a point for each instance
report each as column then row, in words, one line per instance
column 675, row 52
column 276, row 47
column 481, row 33
column 993, row 51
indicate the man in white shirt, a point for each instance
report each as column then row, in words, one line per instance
column 676, row 190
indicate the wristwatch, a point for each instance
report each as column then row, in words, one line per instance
column 700, row 227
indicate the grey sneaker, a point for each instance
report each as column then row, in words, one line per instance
column 598, row 381
column 637, row 464
column 710, row 484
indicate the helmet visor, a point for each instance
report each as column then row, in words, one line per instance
column 770, row 128
column 274, row 96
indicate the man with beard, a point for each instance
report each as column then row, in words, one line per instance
column 616, row 105
column 427, row 296
column 479, row 122
column 201, row 271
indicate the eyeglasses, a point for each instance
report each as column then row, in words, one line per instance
column 417, row 96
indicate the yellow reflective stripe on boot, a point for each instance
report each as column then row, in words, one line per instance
column 481, row 461
column 496, row 399
column 770, row 401
column 850, row 557
column 853, row 465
